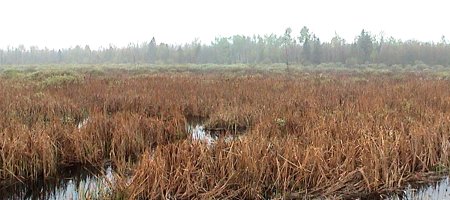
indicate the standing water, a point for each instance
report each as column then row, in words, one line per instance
column 196, row 127
column 72, row 183
column 439, row 190
column 198, row 132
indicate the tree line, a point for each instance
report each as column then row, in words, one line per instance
column 290, row 48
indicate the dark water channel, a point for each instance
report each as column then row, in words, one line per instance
column 438, row 190
column 70, row 183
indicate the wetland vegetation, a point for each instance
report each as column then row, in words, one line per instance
column 303, row 133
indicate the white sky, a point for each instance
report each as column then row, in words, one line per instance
column 66, row 23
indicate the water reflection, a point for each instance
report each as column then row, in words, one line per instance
column 439, row 190
column 198, row 132
column 72, row 183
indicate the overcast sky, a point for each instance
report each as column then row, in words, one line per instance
column 66, row 23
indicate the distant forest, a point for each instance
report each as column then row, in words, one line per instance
column 291, row 48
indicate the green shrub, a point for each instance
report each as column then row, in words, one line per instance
column 12, row 73
column 61, row 80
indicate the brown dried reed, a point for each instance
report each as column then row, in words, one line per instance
column 339, row 135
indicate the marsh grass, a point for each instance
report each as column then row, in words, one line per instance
column 328, row 134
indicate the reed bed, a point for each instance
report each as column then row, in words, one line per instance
column 329, row 134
